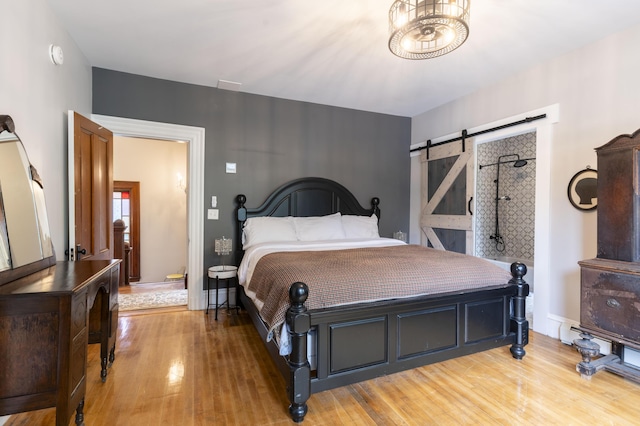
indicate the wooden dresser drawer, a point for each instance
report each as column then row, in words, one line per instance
column 611, row 302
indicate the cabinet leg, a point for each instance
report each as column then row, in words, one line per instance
column 80, row 413
column 103, row 372
column 588, row 350
column 112, row 355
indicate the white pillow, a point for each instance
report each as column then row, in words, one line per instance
column 267, row 229
column 317, row 228
column 360, row 226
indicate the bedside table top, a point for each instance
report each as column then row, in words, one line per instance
column 223, row 271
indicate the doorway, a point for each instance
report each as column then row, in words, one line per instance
column 505, row 194
column 162, row 245
column 126, row 207
column 545, row 322
column 194, row 136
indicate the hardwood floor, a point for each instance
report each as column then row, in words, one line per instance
column 184, row 368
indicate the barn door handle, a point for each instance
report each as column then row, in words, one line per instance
column 613, row 303
column 469, row 206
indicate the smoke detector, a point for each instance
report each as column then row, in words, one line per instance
column 56, row 54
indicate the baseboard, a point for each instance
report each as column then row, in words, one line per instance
column 220, row 297
column 555, row 325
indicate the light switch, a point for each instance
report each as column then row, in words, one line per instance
column 214, row 201
column 231, row 168
column 212, row 214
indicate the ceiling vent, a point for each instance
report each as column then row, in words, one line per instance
column 229, row 85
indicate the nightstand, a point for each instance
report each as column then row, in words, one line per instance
column 228, row 274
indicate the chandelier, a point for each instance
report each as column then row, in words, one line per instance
column 423, row 29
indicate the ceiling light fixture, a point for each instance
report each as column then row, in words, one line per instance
column 423, row 29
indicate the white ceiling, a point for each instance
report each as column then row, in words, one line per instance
column 331, row 52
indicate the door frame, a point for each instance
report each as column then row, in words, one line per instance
column 543, row 321
column 194, row 136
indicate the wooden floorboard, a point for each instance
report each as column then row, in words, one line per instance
column 185, row 368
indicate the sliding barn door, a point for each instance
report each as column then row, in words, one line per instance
column 446, row 220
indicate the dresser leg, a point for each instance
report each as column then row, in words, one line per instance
column 103, row 373
column 112, row 355
column 589, row 350
column 80, row 413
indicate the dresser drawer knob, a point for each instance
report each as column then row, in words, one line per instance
column 613, row 303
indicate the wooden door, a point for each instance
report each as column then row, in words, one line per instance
column 90, row 189
column 447, row 189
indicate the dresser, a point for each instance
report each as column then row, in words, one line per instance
column 610, row 283
column 47, row 319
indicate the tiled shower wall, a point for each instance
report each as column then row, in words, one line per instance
column 517, row 216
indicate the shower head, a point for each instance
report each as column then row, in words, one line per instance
column 517, row 162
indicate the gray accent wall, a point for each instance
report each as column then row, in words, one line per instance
column 272, row 141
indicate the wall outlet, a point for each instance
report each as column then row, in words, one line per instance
column 212, row 214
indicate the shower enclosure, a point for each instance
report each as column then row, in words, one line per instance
column 517, row 162
column 504, row 217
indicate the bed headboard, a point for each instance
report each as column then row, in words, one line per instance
column 303, row 197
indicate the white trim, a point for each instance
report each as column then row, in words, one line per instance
column 71, row 164
column 558, row 325
column 195, row 201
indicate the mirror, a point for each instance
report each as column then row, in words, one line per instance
column 25, row 240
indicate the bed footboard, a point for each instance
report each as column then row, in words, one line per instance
column 399, row 336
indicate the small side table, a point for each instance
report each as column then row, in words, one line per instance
column 226, row 273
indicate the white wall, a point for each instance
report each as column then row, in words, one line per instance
column 37, row 94
column 596, row 88
column 163, row 205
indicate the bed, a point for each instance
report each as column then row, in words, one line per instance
column 321, row 344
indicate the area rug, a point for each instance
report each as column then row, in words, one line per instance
column 159, row 299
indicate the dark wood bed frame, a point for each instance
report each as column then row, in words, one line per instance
column 360, row 342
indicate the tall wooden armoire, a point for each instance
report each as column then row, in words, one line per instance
column 610, row 283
